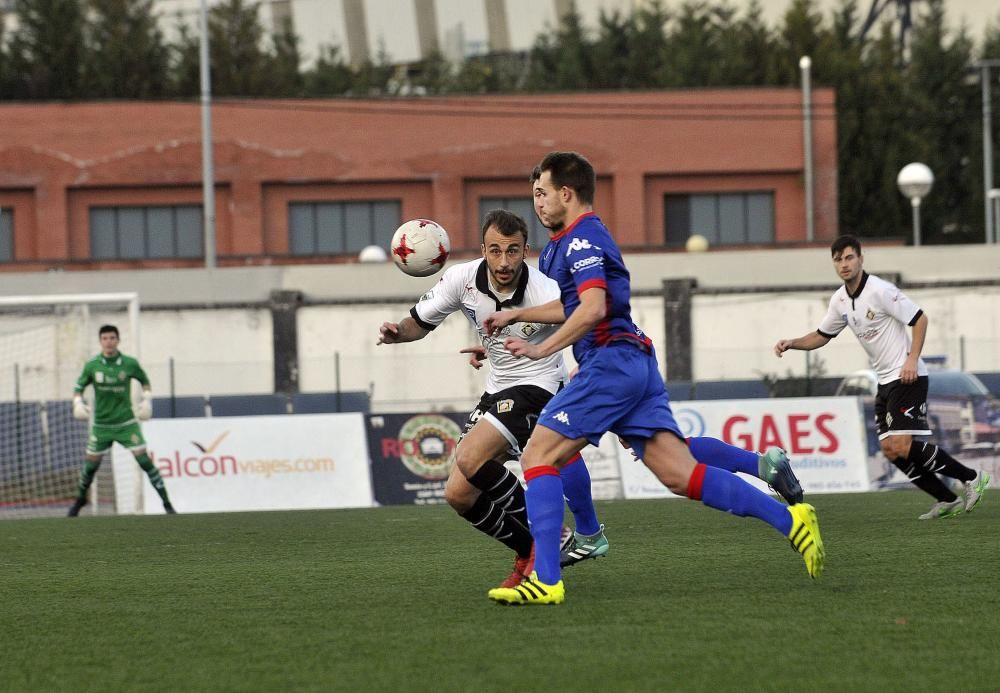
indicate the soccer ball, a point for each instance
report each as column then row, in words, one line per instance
column 420, row 247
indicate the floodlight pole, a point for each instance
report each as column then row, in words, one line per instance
column 207, row 167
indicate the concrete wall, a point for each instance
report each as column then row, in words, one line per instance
column 216, row 325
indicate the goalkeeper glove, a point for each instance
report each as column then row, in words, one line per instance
column 80, row 409
column 144, row 410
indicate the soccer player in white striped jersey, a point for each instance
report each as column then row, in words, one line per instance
column 878, row 313
column 480, row 488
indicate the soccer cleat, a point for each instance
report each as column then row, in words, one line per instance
column 74, row 509
column 169, row 509
column 531, row 591
column 943, row 509
column 565, row 537
column 583, row 547
column 973, row 490
column 773, row 467
column 805, row 537
column 522, row 569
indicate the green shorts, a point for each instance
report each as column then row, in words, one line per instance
column 103, row 437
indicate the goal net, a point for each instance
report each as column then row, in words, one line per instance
column 44, row 342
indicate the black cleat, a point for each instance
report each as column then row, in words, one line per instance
column 775, row 469
column 169, row 509
column 74, row 509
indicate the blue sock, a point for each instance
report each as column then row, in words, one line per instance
column 716, row 453
column 727, row 492
column 579, row 496
column 544, row 497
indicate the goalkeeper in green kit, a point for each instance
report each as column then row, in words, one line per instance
column 110, row 373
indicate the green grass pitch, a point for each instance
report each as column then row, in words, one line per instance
column 395, row 599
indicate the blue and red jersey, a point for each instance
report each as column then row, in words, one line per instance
column 583, row 256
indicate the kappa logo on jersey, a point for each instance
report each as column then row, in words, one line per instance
column 562, row 417
column 504, row 406
column 580, row 244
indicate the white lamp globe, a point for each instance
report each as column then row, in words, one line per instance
column 915, row 180
column 373, row 253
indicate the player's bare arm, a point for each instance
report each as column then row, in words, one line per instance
column 591, row 311
column 477, row 354
column 550, row 313
column 908, row 373
column 807, row 342
column 407, row 330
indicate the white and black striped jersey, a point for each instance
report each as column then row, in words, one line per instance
column 878, row 313
column 466, row 287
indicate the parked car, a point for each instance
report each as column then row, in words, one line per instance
column 962, row 413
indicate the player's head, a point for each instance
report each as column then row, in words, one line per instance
column 562, row 184
column 108, row 334
column 847, row 258
column 505, row 240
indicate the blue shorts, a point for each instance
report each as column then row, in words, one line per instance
column 619, row 389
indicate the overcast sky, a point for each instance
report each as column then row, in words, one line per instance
column 392, row 23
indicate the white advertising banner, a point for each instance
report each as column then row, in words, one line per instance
column 254, row 463
column 824, row 438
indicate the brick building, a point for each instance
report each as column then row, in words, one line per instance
column 118, row 185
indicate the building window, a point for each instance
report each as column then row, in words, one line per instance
column 538, row 235
column 329, row 228
column 722, row 218
column 137, row 233
column 6, row 235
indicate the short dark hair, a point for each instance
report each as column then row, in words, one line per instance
column 506, row 222
column 107, row 328
column 844, row 242
column 571, row 170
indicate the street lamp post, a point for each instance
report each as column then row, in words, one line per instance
column 207, row 166
column 993, row 200
column 805, row 65
column 992, row 232
column 915, row 181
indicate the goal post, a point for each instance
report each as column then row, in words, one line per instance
column 44, row 342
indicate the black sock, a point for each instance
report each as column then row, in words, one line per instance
column 489, row 518
column 934, row 460
column 501, row 486
column 926, row 482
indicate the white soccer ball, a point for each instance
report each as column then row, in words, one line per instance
column 420, row 247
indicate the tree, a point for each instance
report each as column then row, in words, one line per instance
column 648, row 62
column 239, row 64
column 693, row 47
column 330, row 76
column 285, row 78
column 940, row 106
column 46, row 50
column 125, row 54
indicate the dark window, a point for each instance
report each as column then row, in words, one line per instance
column 538, row 235
column 6, row 235
column 329, row 228
column 135, row 233
column 722, row 218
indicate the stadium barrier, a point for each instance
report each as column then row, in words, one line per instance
column 350, row 460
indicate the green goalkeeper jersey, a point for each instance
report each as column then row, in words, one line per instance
column 111, row 378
